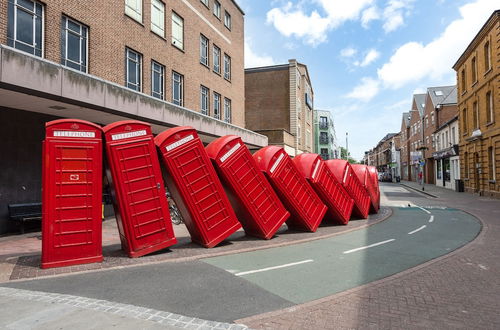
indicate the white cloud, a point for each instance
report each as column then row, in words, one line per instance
column 369, row 15
column 348, row 52
column 394, row 12
column 415, row 61
column 253, row 59
column 291, row 20
column 366, row 90
column 371, row 56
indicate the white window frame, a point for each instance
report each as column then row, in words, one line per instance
column 204, row 100
column 205, row 3
column 158, row 27
column 138, row 69
column 489, row 102
column 12, row 39
column 217, row 104
column 178, row 78
column 160, row 70
column 308, row 138
column 216, row 58
column 227, row 20
column 177, row 25
column 227, row 110
column 227, row 67
column 204, row 46
column 83, row 36
column 133, row 9
column 217, row 9
column 493, row 164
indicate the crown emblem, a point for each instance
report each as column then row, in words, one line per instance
column 75, row 126
column 128, row 128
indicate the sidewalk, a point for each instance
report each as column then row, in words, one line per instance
column 460, row 290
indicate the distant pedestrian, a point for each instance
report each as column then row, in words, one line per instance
column 420, row 177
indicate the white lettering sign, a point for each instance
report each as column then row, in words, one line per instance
column 179, row 143
column 229, row 153
column 121, row 136
column 75, row 134
column 276, row 163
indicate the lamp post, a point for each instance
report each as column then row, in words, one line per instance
column 346, row 146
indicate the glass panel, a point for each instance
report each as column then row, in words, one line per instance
column 73, row 26
column 26, row 4
column 73, row 47
column 132, row 72
column 24, row 27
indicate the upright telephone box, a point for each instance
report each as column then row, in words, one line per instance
column 141, row 206
column 258, row 207
column 195, row 187
column 365, row 179
column 329, row 189
column 345, row 175
column 300, row 199
column 71, row 193
column 372, row 171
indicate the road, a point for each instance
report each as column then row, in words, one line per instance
column 237, row 286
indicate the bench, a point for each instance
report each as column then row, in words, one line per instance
column 24, row 212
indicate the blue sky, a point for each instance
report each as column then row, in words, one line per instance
column 366, row 58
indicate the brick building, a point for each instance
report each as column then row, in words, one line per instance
column 405, row 147
column 416, row 137
column 479, row 110
column 279, row 104
column 167, row 63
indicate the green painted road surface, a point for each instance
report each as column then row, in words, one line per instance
column 317, row 269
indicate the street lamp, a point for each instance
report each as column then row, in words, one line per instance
column 346, row 146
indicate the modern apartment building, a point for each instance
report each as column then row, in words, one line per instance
column 279, row 104
column 479, row 110
column 169, row 63
column 325, row 139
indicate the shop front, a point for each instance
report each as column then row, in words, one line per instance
column 447, row 166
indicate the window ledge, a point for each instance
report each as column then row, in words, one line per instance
column 229, row 80
column 490, row 123
column 178, row 48
column 464, row 92
column 158, row 35
column 489, row 70
column 473, row 84
column 205, row 65
column 134, row 19
column 492, row 181
column 466, row 179
column 216, row 72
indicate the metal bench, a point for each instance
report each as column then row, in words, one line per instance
column 24, row 212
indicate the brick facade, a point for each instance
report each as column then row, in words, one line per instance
column 110, row 31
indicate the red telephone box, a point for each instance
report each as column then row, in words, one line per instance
column 363, row 175
column 195, row 187
column 141, row 206
column 300, row 199
column 258, row 207
column 344, row 174
column 372, row 170
column 323, row 181
column 71, row 193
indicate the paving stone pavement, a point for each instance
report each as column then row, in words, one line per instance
column 460, row 290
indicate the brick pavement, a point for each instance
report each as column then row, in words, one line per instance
column 20, row 255
column 460, row 290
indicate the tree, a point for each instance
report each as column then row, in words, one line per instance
column 344, row 155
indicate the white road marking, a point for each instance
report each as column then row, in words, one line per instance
column 431, row 219
column 368, row 246
column 418, row 229
column 274, row 267
column 423, row 209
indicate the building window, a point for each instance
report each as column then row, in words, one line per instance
column 217, row 9
column 487, row 56
column 227, row 110
column 227, row 20
column 491, row 163
column 227, row 67
column 323, row 122
column 25, row 26
column 157, row 80
column 324, row 153
column 474, row 70
column 475, row 114
column 204, row 100
column 432, row 117
column 133, row 8
column 464, row 120
column 299, row 107
column 308, row 138
column 453, row 137
column 158, row 17
column 466, row 164
column 74, row 48
column 177, row 31
column 203, row 50
column 216, row 58
column 205, row 2
column 464, row 81
column 489, row 107
column 323, row 138
column 216, row 105
column 177, row 88
column 134, row 69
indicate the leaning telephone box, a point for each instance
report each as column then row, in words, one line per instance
column 71, row 193
column 258, row 207
column 372, row 171
column 363, row 175
column 331, row 192
column 141, row 206
column 345, row 175
column 195, row 187
column 305, row 207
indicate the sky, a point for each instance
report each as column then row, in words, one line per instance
column 366, row 58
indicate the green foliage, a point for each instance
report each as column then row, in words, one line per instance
column 343, row 155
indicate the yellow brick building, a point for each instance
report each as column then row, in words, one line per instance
column 478, row 78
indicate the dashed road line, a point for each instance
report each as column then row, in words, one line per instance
column 428, row 212
column 274, row 267
column 369, row 246
column 431, row 219
column 416, row 230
